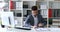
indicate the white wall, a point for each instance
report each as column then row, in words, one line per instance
column 29, row 0
column 31, row 3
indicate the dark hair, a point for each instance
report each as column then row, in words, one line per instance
column 34, row 8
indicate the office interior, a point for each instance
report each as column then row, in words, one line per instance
column 49, row 9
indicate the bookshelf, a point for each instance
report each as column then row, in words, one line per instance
column 55, row 15
column 18, row 11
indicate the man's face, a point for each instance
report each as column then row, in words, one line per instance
column 35, row 12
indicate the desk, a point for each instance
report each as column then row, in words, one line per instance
column 33, row 30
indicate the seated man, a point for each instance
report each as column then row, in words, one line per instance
column 35, row 20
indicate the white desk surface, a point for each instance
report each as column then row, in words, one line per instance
column 33, row 30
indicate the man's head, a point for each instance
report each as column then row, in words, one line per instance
column 34, row 10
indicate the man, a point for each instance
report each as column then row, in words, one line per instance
column 35, row 20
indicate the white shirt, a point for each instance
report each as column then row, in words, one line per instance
column 35, row 20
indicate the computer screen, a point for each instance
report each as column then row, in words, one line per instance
column 7, row 18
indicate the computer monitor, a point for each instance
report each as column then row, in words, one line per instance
column 7, row 18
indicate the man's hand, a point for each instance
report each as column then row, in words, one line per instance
column 40, row 25
column 34, row 27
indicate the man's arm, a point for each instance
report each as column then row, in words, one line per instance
column 27, row 24
column 43, row 22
